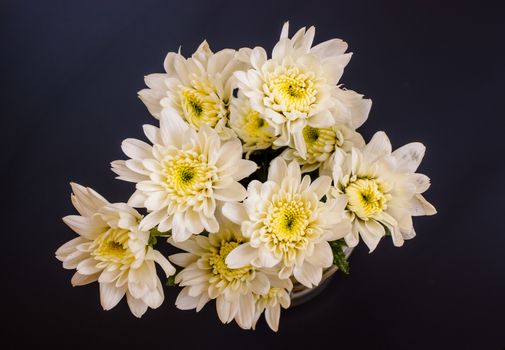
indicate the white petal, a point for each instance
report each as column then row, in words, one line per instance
column 397, row 237
column 258, row 57
column 371, row 232
column 323, row 119
column 266, row 258
column 88, row 267
column 379, row 146
column 126, row 174
column 136, row 149
column 328, row 48
column 352, row 239
column 110, row 295
column 285, row 272
column 420, row 206
column 235, row 212
column 278, row 170
column 152, row 133
column 246, row 311
column 137, row 306
column 294, row 171
column 152, row 219
column 163, row 262
column 320, row 186
column 281, row 49
column 81, row 280
column 184, row 301
column 409, row 157
column 69, row 247
column 322, row 255
column 307, row 274
column 183, row 259
column 241, row 256
column 172, row 128
column 209, row 223
column 154, row 298
column 193, row 222
column 180, row 232
column 89, row 201
column 155, row 201
column 235, row 192
column 244, row 168
column 272, row 316
column 285, row 30
column 261, row 284
column 223, row 308
column 88, row 227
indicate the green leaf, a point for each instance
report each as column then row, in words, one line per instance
column 152, row 241
column 339, row 259
column 170, row 281
column 154, row 234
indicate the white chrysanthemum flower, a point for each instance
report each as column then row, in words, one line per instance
column 206, row 276
column 183, row 175
column 297, row 86
column 383, row 190
column 287, row 223
column 111, row 249
column 320, row 144
column 254, row 130
column 271, row 302
column 198, row 88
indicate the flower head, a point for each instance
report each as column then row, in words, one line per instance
column 296, row 87
column 206, row 276
column 198, row 88
column 113, row 250
column 183, row 175
column 319, row 145
column 382, row 189
column 254, row 130
column 288, row 224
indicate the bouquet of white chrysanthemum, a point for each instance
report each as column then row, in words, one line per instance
column 256, row 173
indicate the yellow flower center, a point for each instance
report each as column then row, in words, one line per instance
column 112, row 247
column 287, row 226
column 201, row 105
column 255, row 126
column 366, row 197
column 219, row 268
column 292, row 90
column 187, row 175
column 320, row 143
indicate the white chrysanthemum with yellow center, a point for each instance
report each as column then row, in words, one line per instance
column 298, row 85
column 183, row 176
column 319, row 145
column 198, row 88
column 288, row 89
column 367, row 197
column 200, row 104
column 206, row 276
column 112, row 250
column 288, row 224
column 382, row 189
column 187, row 175
column 254, row 130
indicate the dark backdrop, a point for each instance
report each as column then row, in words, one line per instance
column 434, row 69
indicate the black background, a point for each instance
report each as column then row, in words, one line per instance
column 435, row 71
